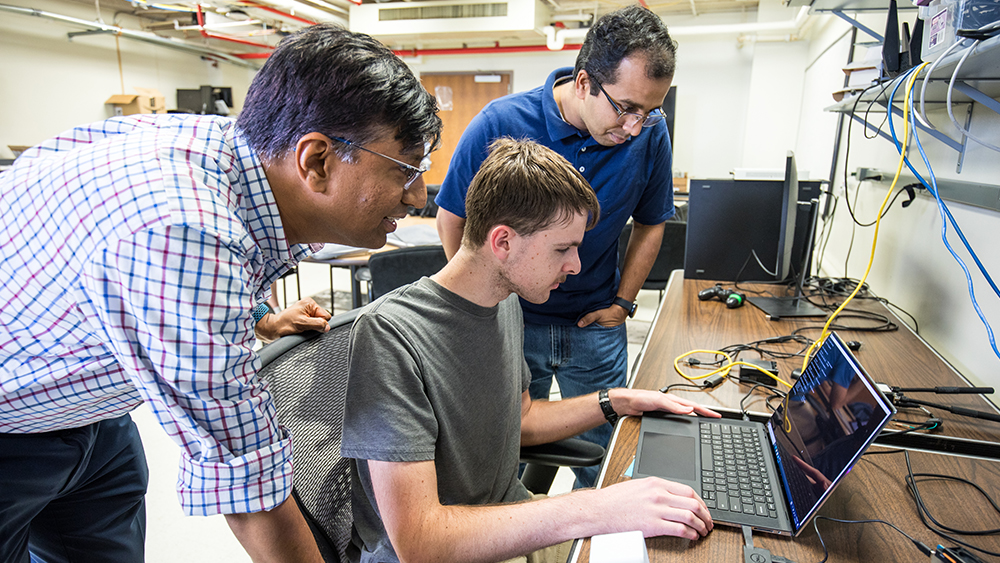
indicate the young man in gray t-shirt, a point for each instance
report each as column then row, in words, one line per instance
column 437, row 404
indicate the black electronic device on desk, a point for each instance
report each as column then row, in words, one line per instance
column 729, row 221
column 796, row 305
column 730, row 297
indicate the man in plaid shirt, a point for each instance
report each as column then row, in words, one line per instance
column 135, row 253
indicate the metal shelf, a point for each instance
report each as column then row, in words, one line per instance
column 979, row 82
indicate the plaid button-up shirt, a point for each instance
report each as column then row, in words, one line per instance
column 133, row 251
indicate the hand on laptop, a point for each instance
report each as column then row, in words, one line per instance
column 636, row 401
column 657, row 507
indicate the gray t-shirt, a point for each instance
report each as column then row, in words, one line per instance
column 435, row 377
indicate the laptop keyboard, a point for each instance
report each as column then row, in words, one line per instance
column 733, row 472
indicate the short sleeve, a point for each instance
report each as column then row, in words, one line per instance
column 388, row 416
column 656, row 204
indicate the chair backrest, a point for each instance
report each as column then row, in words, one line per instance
column 396, row 268
column 670, row 257
column 307, row 376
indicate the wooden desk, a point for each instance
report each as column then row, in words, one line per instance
column 875, row 488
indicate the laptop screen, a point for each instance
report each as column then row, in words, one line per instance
column 832, row 414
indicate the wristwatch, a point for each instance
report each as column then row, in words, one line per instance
column 629, row 306
column 260, row 311
column 609, row 411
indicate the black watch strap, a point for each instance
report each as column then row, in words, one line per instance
column 609, row 411
column 629, row 306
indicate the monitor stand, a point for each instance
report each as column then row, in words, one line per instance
column 780, row 307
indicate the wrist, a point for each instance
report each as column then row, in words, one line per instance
column 607, row 408
column 629, row 306
column 265, row 328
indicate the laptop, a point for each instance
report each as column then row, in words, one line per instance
column 773, row 476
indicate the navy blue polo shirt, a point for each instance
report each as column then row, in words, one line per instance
column 631, row 180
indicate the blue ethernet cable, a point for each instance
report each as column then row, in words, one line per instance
column 933, row 190
column 943, row 211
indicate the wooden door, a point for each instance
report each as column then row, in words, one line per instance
column 469, row 92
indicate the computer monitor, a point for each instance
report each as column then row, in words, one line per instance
column 734, row 227
column 668, row 108
column 789, row 210
column 796, row 305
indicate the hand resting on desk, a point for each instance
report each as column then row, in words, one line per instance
column 655, row 506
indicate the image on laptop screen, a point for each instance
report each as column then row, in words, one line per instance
column 832, row 414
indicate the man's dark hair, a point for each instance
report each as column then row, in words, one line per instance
column 527, row 187
column 329, row 80
column 620, row 34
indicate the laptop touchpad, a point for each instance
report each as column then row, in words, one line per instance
column 667, row 456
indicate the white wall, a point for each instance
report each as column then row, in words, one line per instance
column 51, row 84
column 713, row 77
column 912, row 268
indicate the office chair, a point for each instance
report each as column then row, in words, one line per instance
column 396, row 268
column 307, row 377
column 669, row 258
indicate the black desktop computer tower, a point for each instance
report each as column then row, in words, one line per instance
column 729, row 220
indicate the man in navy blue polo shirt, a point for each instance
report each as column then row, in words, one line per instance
column 604, row 117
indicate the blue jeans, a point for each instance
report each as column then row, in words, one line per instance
column 74, row 495
column 583, row 360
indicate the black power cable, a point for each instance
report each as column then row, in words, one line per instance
column 939, row 528
column 826, row 554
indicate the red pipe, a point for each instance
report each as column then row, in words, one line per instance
column 280, row 13
column 207, row 35
column 458, row 51
column 480, row 50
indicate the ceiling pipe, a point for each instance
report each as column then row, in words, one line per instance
column 278, row 12
column 307, row 11
column 555, row 39
column 789, row 26
column 207, row 35
column 338, row 5
column 478, row 50
column 143, row 36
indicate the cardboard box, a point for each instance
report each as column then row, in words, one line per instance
column 681, row 185
column 146, row 100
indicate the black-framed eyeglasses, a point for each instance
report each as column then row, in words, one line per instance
column 411, row 172
column 628, row 118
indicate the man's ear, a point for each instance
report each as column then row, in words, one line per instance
column 501, row 239
column 581, row 84
column 315, row 160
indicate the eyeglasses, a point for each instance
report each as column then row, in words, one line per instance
column 627, row 118
column 411, row 172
